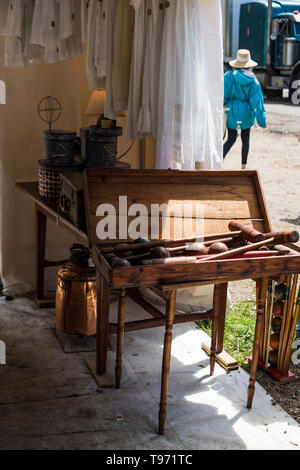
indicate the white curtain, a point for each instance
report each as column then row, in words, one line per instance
column 21, row 146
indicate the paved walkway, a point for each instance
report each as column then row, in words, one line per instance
column 49, row 400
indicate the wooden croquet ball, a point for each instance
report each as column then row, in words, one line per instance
column 197, row 248
column 143, row 245
column 159, row 252
column 274, row 341
column 273, row 358
column 218, row 247
column 141, row 240
column 277, row 308
column 120, row 263
column 276, row 324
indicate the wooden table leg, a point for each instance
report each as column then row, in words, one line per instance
column 170, row 314
column 40, row 251
column 103, row 303
column 259, row 330
column 222, row 317
column 215, row 326
column 120, row 338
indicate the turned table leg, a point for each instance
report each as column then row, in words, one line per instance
column 120, row 338
column 40, row 250
column 214, row 331
column 103, row 303
column 259, row 330
column 222, row 317
column 170, row 314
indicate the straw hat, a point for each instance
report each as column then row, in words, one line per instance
column 243, row 60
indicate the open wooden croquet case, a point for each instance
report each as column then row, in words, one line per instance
column 224, row 196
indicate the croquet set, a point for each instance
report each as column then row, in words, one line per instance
column 282, row 308
column 237, row 243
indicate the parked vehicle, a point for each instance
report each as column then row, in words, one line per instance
column 272, row 36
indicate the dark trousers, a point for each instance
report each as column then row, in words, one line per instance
column 232, row 136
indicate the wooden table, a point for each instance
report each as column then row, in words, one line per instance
column 47, row 210
column 224, row 196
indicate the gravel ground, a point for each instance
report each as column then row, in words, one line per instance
column 275, row 153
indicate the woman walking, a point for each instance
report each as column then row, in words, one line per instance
column 243, row 99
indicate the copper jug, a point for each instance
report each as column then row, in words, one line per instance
column 76, row 299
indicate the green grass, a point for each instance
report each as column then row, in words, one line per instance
column 239, row 330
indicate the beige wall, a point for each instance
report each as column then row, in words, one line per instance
column 21, row 147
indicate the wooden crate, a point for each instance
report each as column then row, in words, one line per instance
column 225, row 196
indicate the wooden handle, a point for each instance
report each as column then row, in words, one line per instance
column 193, row 259
column 168, row 243
column 248, row 233
column 283, row 237
column 207, row 244
column 176, row 260
column 243, row 249
column 132, row 247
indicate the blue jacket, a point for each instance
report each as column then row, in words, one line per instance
column 243, row 100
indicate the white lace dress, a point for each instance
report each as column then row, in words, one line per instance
column 190, row 79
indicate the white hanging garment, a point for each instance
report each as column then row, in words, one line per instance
column 144, row 117
column 18, row 50
column 50, row 21
column 45, row 30
column 101, row 38
column 70, row 27
column 66, row 19
column 91, row 36
column 185, row 102
column 109, row 110
column 148, row 114
column 84, row 19
column 37, row 33
column 158, row 18
column 212, row 53
column 94, row 82
column 123, row 37
column 136, row 74
column 4, row 4
column 13, row 56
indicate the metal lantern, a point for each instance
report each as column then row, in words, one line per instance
column 76, row 299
